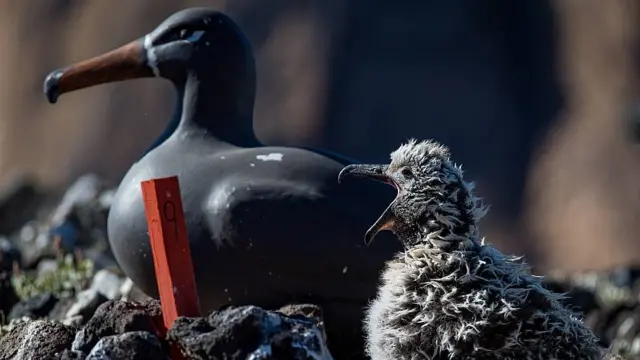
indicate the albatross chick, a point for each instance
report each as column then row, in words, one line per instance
column 450, row 295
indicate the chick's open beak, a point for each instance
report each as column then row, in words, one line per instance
column 124, row 63
column 384, row 222
column 375, row 172
column 378, row 173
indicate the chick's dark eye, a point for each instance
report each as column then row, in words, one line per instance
column 406, row 172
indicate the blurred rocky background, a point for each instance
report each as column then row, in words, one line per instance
column 536, row 99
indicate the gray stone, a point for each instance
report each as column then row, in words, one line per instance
column 38, row 306
column 107, row 283
column 80, row 220
column 136, row 345
column 248, row 332
column 610, row 302
column 72, row 355
column 59, row 311
column 130, row 292
column 75, row 321
column 35, row 244
column 86, row 304
column 106, row 198
column 306, row 311
column 39, row 339
column 84, row 190
column 118, row 317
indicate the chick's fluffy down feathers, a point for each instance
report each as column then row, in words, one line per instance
column 451, row 296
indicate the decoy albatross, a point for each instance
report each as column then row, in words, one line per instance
column 267, row 225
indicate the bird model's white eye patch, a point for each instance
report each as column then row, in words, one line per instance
column 195, row 36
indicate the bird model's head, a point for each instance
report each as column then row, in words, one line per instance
column 197, row 44
column 433, row 205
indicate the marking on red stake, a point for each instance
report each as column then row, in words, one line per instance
column 170, row 246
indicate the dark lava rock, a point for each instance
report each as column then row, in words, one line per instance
column 72, row 355
column 614, row 356
column 618, row 328
column 8, row 297
column 77, row 222
column 311, row 311
column 248, row 332
column 39, row 339
column 9, row 254
column 610, row 303
column 306, row 312
column 86, row 304
column 34, row 244
column 80, row 219
column 136, row 345
column 35, row 307
column 85, row 190
column 19, row 203
column 118, row 317
column 59, row 311
column 619, row 323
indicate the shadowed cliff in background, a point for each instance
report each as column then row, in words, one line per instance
column 530, row 96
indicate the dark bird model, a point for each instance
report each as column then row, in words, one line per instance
column 267, row 225
column 449, row 295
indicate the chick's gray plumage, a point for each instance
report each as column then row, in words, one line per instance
column 449, row 295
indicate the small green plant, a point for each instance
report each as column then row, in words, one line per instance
column 69, row 278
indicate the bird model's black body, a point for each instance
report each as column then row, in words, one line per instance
column 259, row 228
column 267, row 225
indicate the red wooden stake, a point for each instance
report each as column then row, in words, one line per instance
column 170, row 245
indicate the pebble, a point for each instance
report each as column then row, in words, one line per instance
column 108, row 284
